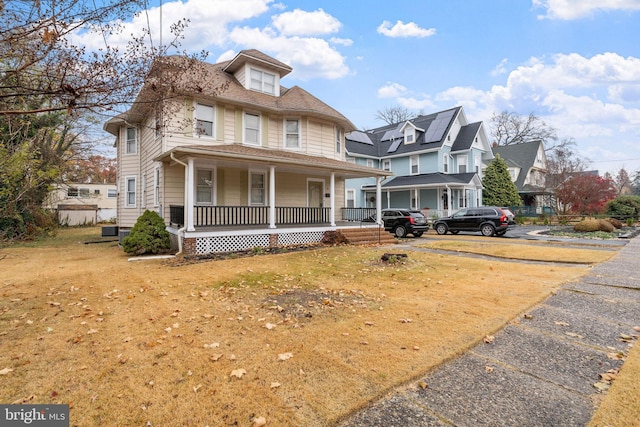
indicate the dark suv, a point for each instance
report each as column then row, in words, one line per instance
column 401, row 222
column 489, row 220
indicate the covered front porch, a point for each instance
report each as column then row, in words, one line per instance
column 435, row 194
column 232, row 197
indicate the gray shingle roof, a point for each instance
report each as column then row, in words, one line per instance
column 521, row 155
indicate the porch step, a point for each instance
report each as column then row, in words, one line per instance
column 363, row 236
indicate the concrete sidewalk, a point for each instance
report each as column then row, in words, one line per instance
column 539, row 371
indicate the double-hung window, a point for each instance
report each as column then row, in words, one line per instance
column 413, row 162
column 130, row 193
column 132, row 140
column 156, row 186
column 292, row 133
column 262, row 81
column 386, row 165
column 258, row 189
column 338, row 140
column 204, row 186
column 204, row 120
column 251, row 129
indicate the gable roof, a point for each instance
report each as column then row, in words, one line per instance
column 213, row 82
column 256, row 57
column 521, row 156
column 387, row 140
column 466, row 137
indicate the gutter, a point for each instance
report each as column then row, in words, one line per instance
column 184, row 226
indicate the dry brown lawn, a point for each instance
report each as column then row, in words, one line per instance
column 302, row 338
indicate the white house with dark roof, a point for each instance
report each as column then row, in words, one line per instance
column 230, row 158
column 436, row 160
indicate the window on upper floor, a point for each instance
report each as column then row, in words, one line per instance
column 338, row 140
column 204, row 120
column 252, row 129
column 445, row 163
column 350, row 159
column 112, row 193
column 414, row 165
column 409, row 135
column 462, row 164
column 143, row 191
column 386, row 165
column 370, row 163
column 292, row 133
column 262, row 81
column 132, row 140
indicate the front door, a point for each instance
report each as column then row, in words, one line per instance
column 314, row 194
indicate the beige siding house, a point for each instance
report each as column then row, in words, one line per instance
column 83, row 203
column 231, row 159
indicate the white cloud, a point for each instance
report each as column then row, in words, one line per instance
column 340, row 41
column 303, row 23
column 576, row 9
column 501, row 68
column 309, row 57
column 400, row 29
column 391, row 90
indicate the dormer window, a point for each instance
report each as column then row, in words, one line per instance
column 262, row 81
column 409, row 135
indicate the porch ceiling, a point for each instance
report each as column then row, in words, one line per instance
column 284, row 160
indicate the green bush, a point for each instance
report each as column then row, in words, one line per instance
column 591, row 225
column 148, row 236
column 623, row 207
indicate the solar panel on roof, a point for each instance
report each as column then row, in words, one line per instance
column 395, row 145
column 438, row 126
column 361, row 137
column 392, row 134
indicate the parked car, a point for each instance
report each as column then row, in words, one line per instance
column 489, row 220
column 401, row 222
column 510, row 216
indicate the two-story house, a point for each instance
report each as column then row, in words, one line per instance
column 436, row 159
column 527, row 165
column 231, row 159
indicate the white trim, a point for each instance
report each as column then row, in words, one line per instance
column 127, row 140
column 415, row 158
column 285, row 133
column 265, row 186
column 156, row 186
column 258, row 143
column 203, row 115
column 263, row 72
column 127, row 179
column 211, row 185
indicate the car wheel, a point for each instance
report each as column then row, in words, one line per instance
column 487, row 230
column 441, row 229
column 400, row 231
column 417, row 234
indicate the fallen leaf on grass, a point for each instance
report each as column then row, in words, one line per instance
column 215, row 357
column 489, row 339
column 5, row 371
column 528, row 316
column 405, row 320
column 23, row 400
column 616, row 356
column 602, row 386
column 238, row 373
column 285, row 356
column 269, row 326
column 274, row 385
column 422, row 385
column 636, row 328
column 561, row 323
column 199, row 386
column 369, row 323
column 92, row 331
column 259, row 422
column 488, row 368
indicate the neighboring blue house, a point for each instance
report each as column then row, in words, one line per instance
column 436, row 160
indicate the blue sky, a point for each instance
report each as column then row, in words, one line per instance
column 573, row 63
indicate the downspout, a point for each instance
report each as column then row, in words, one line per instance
column 184, row 226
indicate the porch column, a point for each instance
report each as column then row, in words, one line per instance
column 189, row 190
column 332, row 199
column 272, row 197
column 379, row 200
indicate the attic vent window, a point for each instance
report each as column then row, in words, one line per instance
column 263, row 81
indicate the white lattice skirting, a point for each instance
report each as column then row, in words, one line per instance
column 235, row 243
